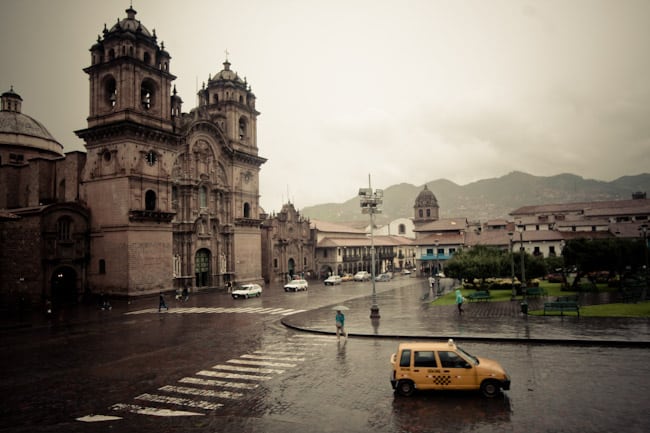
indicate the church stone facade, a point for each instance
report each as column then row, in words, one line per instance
column 164, row 199
column 288, row 246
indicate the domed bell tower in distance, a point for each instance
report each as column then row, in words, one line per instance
column 131, row 144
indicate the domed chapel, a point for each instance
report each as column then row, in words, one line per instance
column 161, row 199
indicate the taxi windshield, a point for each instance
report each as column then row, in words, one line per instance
column 473, row 358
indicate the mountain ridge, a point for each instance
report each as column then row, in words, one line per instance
column 486, row 199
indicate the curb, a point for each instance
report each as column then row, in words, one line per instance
column 479, row 339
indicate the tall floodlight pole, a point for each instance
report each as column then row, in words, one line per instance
column 370, row 204
column 644, row 233
column 512, row 268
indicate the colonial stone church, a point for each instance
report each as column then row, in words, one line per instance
column 162, row 199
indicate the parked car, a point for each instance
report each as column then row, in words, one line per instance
column 383, row 277
column 296, row 285
column 247, row 291
column 362, row 276
column 332, row 280
column 347, row 277
column 444, row 366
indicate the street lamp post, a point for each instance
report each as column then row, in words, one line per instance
column 370, row 204
column 437, row 277
column 522, row 252
column 512, row 268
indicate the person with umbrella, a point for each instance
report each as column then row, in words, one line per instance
column 340, row 323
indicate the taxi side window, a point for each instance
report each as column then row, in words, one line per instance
column 405, row 360
column 451, row 360
column 425, row 359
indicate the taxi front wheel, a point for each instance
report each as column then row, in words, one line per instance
column 490, row 388
column 405, row 387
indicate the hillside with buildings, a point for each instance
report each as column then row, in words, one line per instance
column 487, row 199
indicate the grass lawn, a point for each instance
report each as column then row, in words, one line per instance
column 640, row 309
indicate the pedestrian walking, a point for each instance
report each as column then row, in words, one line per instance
column 340, row 325
column 161, row 303
column 186, row 294
column 459, row 301
column 105, row 305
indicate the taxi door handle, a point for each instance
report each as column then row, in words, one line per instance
column 445, row 371
column 416, row 371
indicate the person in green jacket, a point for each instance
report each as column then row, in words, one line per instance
column 459, row 301
column 340, row 325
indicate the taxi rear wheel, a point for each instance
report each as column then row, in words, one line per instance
column 405, row 388
column 490, row 388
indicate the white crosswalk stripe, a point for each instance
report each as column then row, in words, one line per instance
column 154, row 411
column 222, row 383
column 274, row 358
column 279, row 352
column 264, row 363
column 218, row 310
column 155, row 398
column 247, row 369
column 200, row 392
column 224, row 375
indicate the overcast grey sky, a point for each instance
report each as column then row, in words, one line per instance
column 407, row 91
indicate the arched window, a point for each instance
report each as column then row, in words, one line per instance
column 147, row 95
column 63, row 229
column 150, row 200
column 111, row 54
column 110, row 91
column 242, row 128
column 203, row 197
column 428, row 213
column 215, row 98
column 174, row 197
column 247, row 210
column 147, row 58
column 420, row 213
column 102, row 266
column 401, row 229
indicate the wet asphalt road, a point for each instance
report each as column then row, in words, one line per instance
column 138, row 367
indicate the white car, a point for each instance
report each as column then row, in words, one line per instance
column 247, row 290
column 296, row 285
column 383, row 277
column 362, row 276
column 332, row 280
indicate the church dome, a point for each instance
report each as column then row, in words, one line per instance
column 129, row 25
column 227, row 75
column 426, row 198
column 19, row 129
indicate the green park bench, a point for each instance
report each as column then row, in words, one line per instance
column 535, row 292
column 479, row 295
column 562, row 306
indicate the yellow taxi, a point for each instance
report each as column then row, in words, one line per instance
column 440, row 366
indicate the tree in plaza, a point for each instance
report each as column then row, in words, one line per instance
column 481, row 262
column 614, row 255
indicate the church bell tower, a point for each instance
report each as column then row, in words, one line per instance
column 131, row 143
